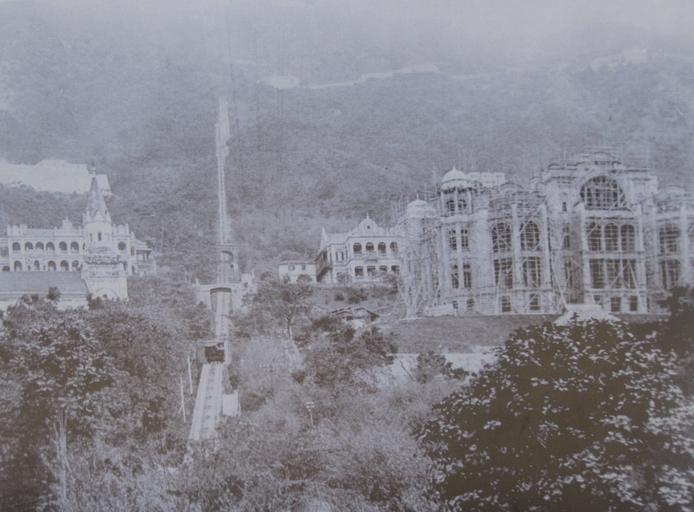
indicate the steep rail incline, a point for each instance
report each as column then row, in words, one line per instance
column 208, row 402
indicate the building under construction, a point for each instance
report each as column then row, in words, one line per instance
column 590, row 230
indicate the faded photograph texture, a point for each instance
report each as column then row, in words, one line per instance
column 347, row 255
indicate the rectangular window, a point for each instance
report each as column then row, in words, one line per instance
column 532, row 272
column 303, row 267
column 597, row 275
column 566, row 238
column 505, row 304
column 464, row 239
column 670, row 273
column 358, row 272
column 633, row 303
column 467, row 276
column 616, row 304
column 371, row 271
column 534, row 302
column 594, row 232
column 455, row 277
column 452, row 239
column 503, row 273
column 450, row 206
column 568, row 274
column 629, row 273
column 614, row 276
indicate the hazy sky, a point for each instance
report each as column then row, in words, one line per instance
column 483, row 16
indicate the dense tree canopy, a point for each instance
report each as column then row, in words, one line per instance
column 572, row 418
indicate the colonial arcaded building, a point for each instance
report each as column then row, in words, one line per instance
column 590, row 230
column 361, row 256
column 99, row 255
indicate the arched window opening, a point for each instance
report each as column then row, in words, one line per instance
column 74, row 247
column 358, row 272
column 37, row 265
column 602, row 193
column 669, row 238
column 64, row 266
column 381, row 247
column 356, row 248
column 594, row 232
column 16, row 247
column 98, row 236
column 50, row 248
column 501, row 237
column 62, row 246
column 39, row 247
column 51, row 266
column 611, row 237
column 393, row 246
column 28, row 246
column 628, row 238
column 122, row 247
column 530, row 236
column 369, row 247
column 125, row 266
column 17, row 266
column 371, row 271
column 470, row 304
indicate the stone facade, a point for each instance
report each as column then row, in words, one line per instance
column 588, row 231
column 103, row 253
column 361, row 256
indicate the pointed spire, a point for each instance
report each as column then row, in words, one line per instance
column 96, row 203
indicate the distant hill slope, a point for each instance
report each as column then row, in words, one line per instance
column 143, row 106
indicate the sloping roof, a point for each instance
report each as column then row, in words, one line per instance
column 21, row 283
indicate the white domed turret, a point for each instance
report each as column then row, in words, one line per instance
column 420, row 209
column 455, row 178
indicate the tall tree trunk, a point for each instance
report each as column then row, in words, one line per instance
column 60, row 441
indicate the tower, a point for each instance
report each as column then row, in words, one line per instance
column 102, row 270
